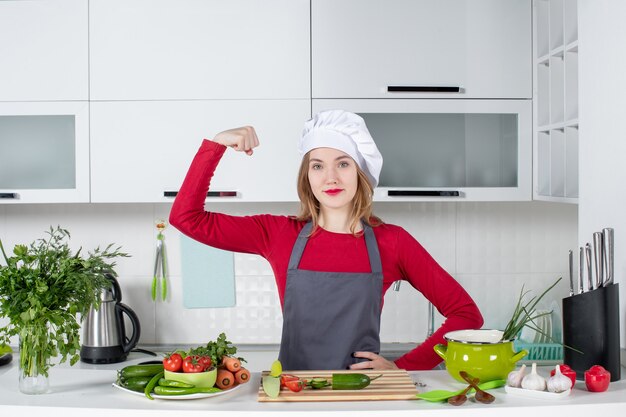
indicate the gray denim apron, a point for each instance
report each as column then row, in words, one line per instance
column 329, row 315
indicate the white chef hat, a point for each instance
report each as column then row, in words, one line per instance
column 345, row 131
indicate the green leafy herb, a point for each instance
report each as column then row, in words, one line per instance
column 525, row 314
column 44, row 287
column 216, row 350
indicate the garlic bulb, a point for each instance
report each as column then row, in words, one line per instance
column 514, row 379
column 559, row 382
column 534, row 381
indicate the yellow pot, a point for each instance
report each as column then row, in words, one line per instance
column 480, row 353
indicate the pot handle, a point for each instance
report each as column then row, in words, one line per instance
column 519, row 355
column 441, row 350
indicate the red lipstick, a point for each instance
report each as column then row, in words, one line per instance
column 333, row 191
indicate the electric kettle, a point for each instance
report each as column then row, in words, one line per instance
column 104, row 337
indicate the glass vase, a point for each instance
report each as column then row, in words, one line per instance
column 34, row 360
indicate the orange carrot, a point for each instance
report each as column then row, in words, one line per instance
column 225, row 379
column 231, row 363
column 242, row 376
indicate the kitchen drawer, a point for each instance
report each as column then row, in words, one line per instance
column 142, row 149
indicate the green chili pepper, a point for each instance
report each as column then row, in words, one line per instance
column 171, row 383
column 161, row 390
column 152, row 384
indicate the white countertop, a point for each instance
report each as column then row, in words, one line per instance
column 87, row 390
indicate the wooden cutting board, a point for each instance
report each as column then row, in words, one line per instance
column 392, row 385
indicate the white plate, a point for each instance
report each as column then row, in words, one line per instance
column 179, row 397
column 543, row 395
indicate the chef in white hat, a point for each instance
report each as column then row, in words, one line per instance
column 335, row 260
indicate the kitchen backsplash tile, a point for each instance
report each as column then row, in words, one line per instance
column 491, row 248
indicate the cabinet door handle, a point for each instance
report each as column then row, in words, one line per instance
column 9, row 195
column 209, row 194
column 422, row 193
column 422, row 89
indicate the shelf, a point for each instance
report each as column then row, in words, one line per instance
column 571, row 162
column 561, row 125
column 556, row 101
column 556, row 23
column 557, row 107
column 572, row 47
column 570, row 75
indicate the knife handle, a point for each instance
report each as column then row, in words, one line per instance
column 589, row 267
column 598, row 255
column 571, row 272
column 581, row 269
column 609, row 260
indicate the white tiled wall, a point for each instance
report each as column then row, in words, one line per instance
column 491, row 248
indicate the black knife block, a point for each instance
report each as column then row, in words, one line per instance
column 591, row 325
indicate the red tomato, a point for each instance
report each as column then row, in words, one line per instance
column 284, row 378
column 173, row 362
column 294, row 385
column 205, row 361
column 597, row 378
column 568, row 372
column 191, row 364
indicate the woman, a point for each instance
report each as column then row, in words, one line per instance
column 334, row 262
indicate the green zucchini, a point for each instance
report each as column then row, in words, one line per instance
column 137, row 383
column 351, row 381
column 161, row 390
column 133, row 371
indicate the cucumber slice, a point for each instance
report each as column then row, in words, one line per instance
column 271, row 386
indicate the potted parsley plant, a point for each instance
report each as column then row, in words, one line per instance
column 45, row 288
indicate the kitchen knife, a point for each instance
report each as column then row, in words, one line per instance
column 571, row 273
column 598, row 256
column 609, row 261
column 589, row 267
column 581, row 269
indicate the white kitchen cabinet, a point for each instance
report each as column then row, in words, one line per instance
column 448, row 150
column 44, row 149
column 360, row 48
column 199, row 49
column 556, row 101
column 142, row 149
column 43, row 50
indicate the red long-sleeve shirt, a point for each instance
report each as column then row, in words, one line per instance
column 273, row 237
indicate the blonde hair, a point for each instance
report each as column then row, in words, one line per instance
column 362, row 201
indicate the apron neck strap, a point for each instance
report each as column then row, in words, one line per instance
column 370, row 241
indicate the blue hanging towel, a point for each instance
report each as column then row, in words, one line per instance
column 208, row 275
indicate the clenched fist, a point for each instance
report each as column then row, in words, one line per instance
column 242, row 139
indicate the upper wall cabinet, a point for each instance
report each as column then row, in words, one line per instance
column 141, row 150
column 44, row 151
column 199, row 49
column 43, row 50
column 421, row 48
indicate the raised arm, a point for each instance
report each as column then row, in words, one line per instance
column 235, row 233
